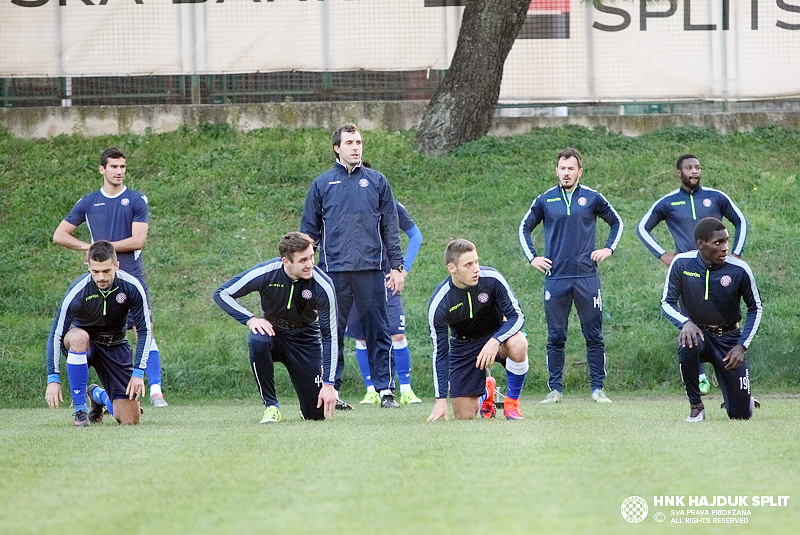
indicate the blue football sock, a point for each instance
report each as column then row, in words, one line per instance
column 515, row 376
column 153, row 370
column 402, row 359
column 363, row 362
column 78, row 376
column 99, row 395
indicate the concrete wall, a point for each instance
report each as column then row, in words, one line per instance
column 393, row 116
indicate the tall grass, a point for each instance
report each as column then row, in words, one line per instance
column 220, row 199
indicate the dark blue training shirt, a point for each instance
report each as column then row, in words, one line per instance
column 111, row 218
column 470, row 314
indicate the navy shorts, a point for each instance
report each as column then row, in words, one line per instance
column 466, row 379
column 397, row 318
column 114, row 366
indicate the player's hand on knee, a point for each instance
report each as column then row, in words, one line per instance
column 689, row 335
column 735, row 357
column 488, row 354
column 260, row 326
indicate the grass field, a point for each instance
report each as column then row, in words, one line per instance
column 210, row 468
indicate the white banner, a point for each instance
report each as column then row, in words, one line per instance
column 566, row 52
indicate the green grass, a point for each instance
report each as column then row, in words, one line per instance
column 220, row 200
column 201, row 468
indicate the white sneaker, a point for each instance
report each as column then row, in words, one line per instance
column 553, row 397
column 698, row 413
column 599, row 396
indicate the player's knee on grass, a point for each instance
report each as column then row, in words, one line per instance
column 126, row 411
column 466, row 408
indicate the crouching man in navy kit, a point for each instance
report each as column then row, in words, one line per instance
column 710, row 284
column 484, row 318
column 298, row 328
column 569, row 212
column 90, row 328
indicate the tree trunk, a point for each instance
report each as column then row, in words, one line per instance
column 462, row 109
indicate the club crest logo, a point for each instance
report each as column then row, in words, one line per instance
column 306, row 294
column 121, row 298
column 707, row 203
column 363, row 183
column 726, row 280
column 483, row 297
column 634, row 509
column 125, row 202
column 547, row 296
column 582, row 201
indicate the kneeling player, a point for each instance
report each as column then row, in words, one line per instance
column 484, row 318
column 90, row 328
column 293, row 292
column 710, row 285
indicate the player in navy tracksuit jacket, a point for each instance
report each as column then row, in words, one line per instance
column 89, row 328
column 684, row 207
column 350, row 211
column 710, row 284
column 569, row 212
column 483, row 316
column 298, row 326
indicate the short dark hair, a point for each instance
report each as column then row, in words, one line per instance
column 294, row 242
column 568, row 153
column 455, row 249
column 110, row 152
column 350, row 128
column 706, row 227
column 100, row 251
column 686, row 157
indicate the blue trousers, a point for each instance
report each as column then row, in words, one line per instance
column 735, row 384
column 559, row 295
column 300, row 350
column 366, row 291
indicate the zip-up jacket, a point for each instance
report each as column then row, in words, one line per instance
column 292, row 303
column 470, row 314
column 103, row 312
column 354, row 219
column 569, row 229
column 710, row 295
column 682, row 210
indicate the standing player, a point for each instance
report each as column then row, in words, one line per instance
column 484, row 319
column 681, row 209
column 351, row 213
column 710, row 285
column 570, row 211
column 90, row 329
column 294, row 294
column 119, row 215
column 397, row 323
